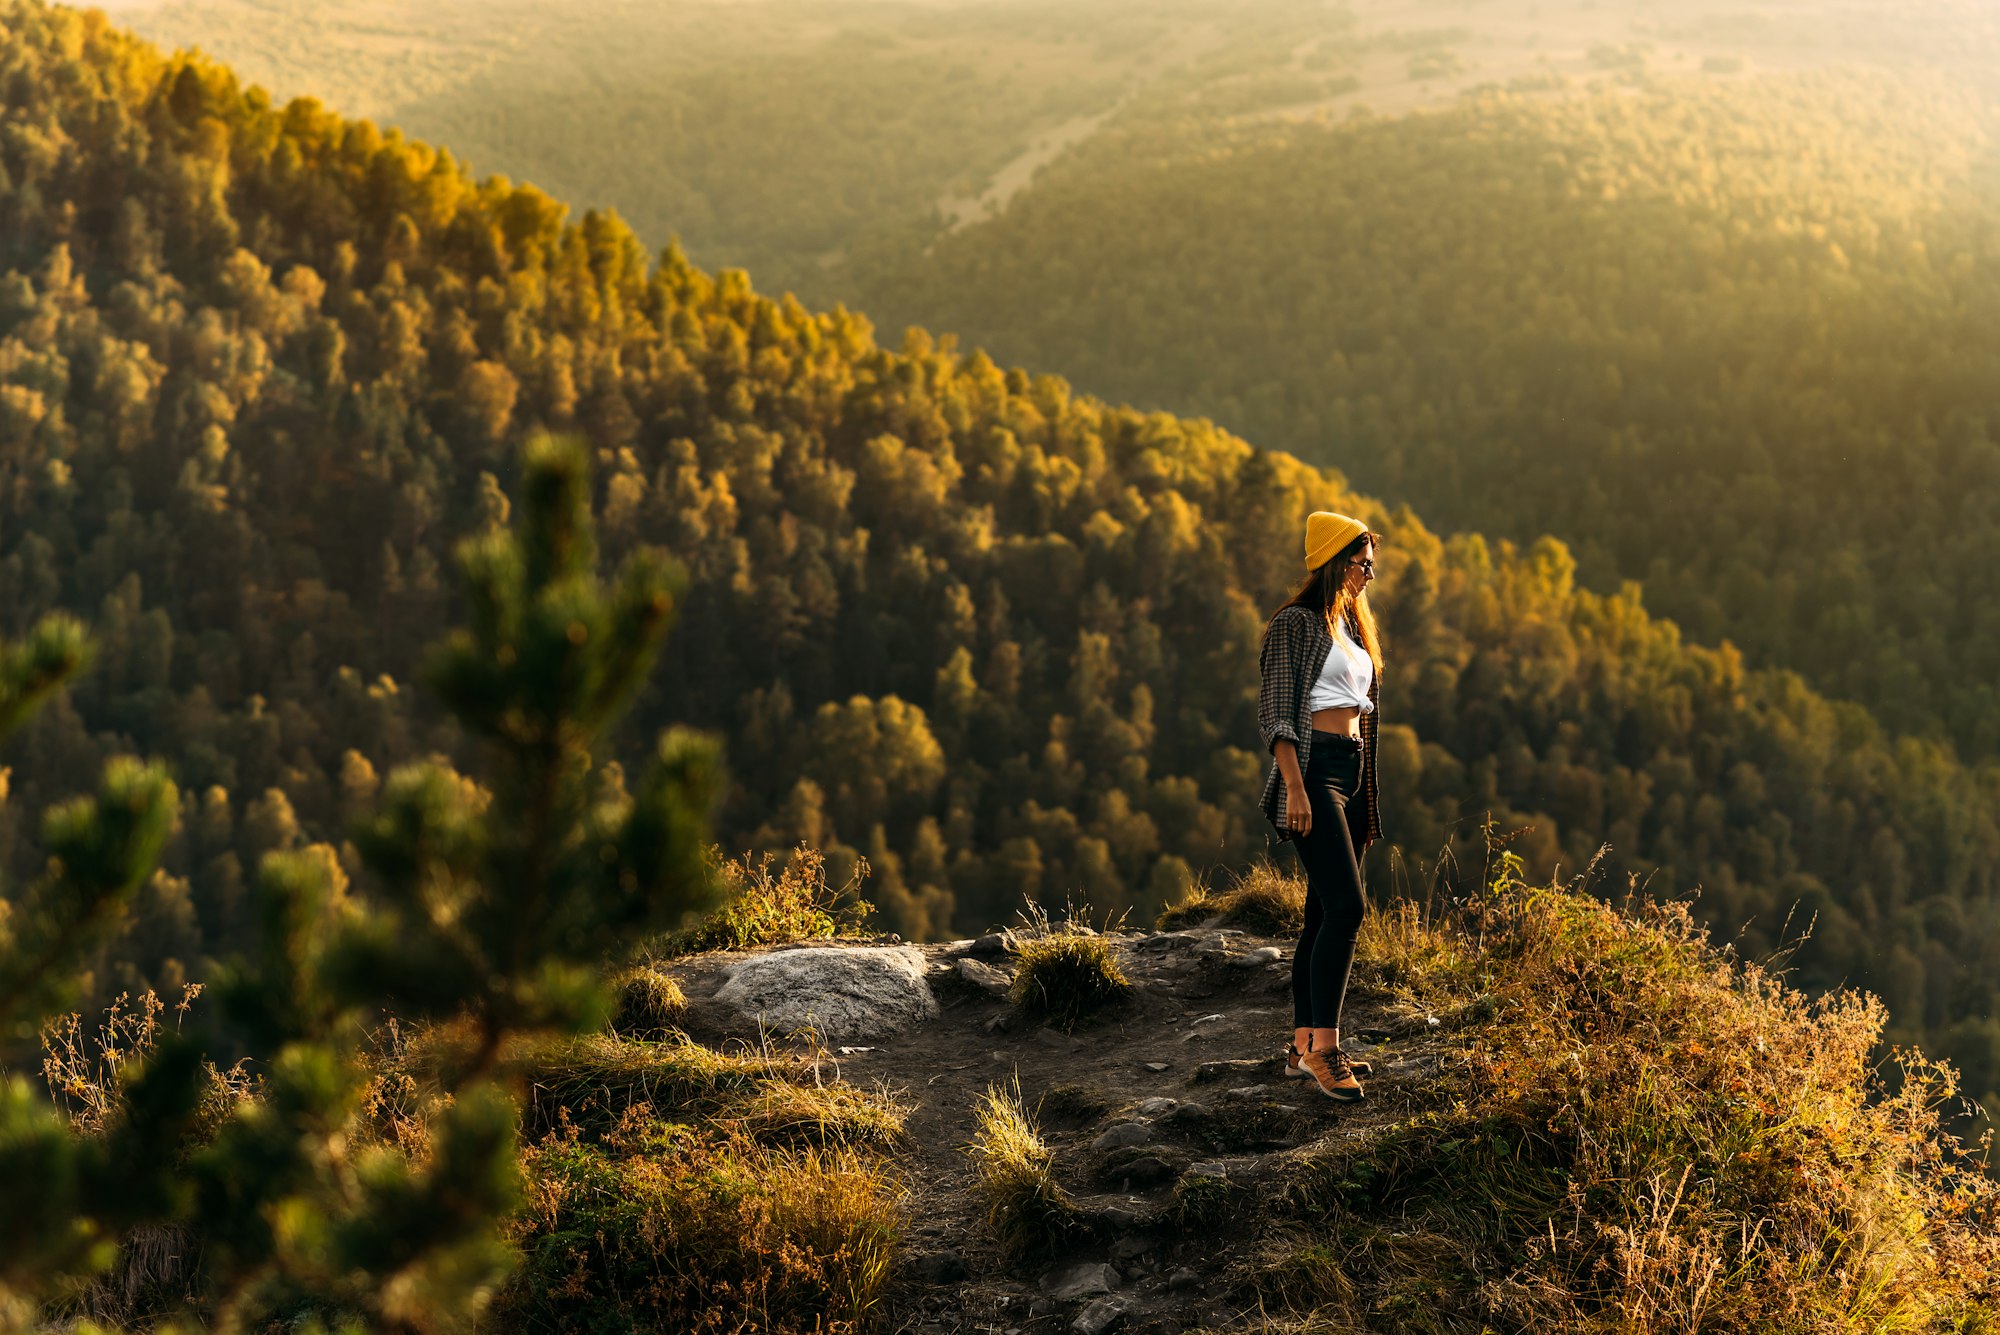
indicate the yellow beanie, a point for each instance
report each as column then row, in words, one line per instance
column 1327, row 533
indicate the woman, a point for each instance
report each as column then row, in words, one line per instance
column 1321, row 674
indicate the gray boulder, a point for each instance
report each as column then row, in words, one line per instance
column 842, row 992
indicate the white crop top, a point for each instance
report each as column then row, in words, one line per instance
column 1348, row 674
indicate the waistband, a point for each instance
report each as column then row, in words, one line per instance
column 1319, row 737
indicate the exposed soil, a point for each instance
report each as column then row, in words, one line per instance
column 1212, row 1012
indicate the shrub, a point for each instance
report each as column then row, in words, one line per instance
column 761, row 909
column 1026, row 1207
column 1066, row 972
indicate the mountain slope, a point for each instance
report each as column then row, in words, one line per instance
column 1737, row 341
column 261, row 367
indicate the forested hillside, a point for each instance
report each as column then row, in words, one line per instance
column 797, row 139
column 260, row 367
column 1739, row 342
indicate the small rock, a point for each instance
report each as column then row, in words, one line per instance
column 1118, row 1216
column 1125, row 1133
column 1147, row 1170
column 1003, row 1023
column 1090, row 1280
column 991, row 945
column 1208, row 1168
column 1197, row 1025
column 1163, row 941
column 1099, row 1317
column 853, row 1052
column 1042, row 1307
column 1247, row 1092
column 1156, row 1107
column 1262, row 955
column 1184, row 1278
column 984, row 977
column 1131, row 1247
column 1157, row 1067
column 1187, row 1112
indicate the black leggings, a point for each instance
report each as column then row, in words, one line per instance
column 1334, row 902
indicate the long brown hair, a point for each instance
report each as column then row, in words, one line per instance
column 1325, row 592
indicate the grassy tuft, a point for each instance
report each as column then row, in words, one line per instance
column 1202, row 1202
column 1634, row 1131
column 650, row 1004
column 1262, row 900
column 1065, row 974
column 763, row 908
column 664, row 1228
column 1026, row 1208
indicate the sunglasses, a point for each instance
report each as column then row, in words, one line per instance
column 1365, row 563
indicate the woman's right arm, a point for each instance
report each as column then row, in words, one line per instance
column 1277, row 702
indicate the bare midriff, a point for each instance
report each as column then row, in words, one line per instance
column 1343, row 719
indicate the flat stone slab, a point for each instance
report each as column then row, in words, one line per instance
column 842, row 992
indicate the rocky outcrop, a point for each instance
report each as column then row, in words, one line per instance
column 844, row 993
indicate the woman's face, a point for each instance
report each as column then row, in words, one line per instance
column 1361, row 570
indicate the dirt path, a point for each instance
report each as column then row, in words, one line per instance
column 1188, row 1068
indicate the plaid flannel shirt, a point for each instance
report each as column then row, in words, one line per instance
column 1294, row 650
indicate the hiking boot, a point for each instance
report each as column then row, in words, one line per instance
column 1334, row 1075
column 1294, row 1071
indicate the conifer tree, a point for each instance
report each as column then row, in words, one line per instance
column 63, row 1198
column 492, row 906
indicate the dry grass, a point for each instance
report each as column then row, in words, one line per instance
column 763, row 908
column 591, row 1085
column 1026, row 1207
column 650, row 1003
column 1262, row 900
column 1636, row 1133
column 665, row 1228
column 157, row 1269
column 1066, row 973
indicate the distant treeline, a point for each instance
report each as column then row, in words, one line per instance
column 261, row 367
